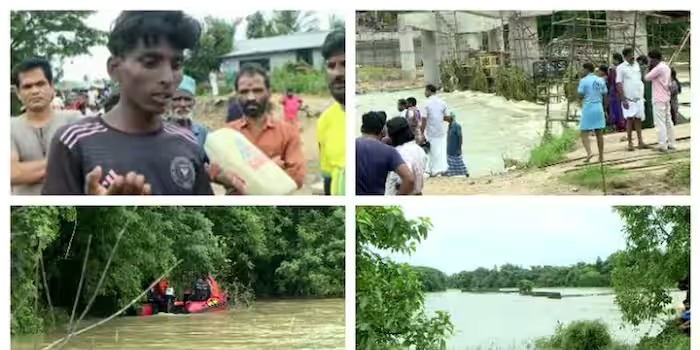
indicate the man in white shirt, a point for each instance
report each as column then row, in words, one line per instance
column 434, row 130
column 630, row 90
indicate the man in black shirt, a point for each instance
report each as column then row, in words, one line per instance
column 130, row 150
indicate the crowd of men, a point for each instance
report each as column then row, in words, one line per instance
column 614, row 97
column 393, row 157
column 147, row 140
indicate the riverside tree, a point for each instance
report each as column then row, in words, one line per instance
column 251, row 251
column 389, row 299
column 656, row 257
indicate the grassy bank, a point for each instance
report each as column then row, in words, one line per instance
column 553, row 149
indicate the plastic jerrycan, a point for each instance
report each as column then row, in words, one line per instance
column 233, row 152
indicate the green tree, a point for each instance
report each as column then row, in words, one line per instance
column 290, row 22
column 389, row 298
column 525, row 286
column 656, row 257
column 432, row 280
column 258, row 27
column 55, row 35
column 252, row 251
column 216, row 41
column 51, row 34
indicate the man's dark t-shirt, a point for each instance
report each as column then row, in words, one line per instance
column 374, row 160
column 170, row 158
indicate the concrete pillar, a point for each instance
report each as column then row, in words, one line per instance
column 431, row 63
column 524, row 43
column 408, row 54
column 495, row 40
column 621, row 36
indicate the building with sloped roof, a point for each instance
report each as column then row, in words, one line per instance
column 277, row 51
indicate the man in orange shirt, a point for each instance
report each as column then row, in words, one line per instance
column 279, row 140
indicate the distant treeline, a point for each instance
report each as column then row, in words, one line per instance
column 510, row 276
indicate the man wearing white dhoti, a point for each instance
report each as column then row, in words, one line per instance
column 213, row 81
column 630, row 90
column 433, row 128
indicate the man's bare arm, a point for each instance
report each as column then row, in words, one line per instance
column 26, row 173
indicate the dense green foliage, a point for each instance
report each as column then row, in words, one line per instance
column 389, row 298
column 432, row 280
column 578, row 335
column 300, row 78
column 595, row 335
column 512, row 276
column 657, row 256
column 281, row 23
column 55, row 35
column 216, row 41
column 260, row 251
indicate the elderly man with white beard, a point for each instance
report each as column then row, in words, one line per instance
column 182, row 110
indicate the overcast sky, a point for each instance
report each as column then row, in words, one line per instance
column 470, row 236
column 94, row 64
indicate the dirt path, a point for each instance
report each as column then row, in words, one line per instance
column 212, row 113
column 645, row 172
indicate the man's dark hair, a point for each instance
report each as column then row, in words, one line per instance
column 31, row 64
column 334, row 44
column 655, row 54
column 627, row 51
column 432, row 88
column 399, row 131
column 617, row 57
column 402, row 102
column 411, row 101
column 603, row 68
column 373, row 123
column 131, row 27
column 588, row 66
column 642, row 59
column 252, row 69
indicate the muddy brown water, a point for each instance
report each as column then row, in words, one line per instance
column 302, row 324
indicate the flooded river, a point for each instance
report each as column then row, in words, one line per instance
column 307, row 324
column 492, row 126
column 511, row 321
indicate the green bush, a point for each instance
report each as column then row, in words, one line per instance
column 511, row 83
column 308, row 81
column 552, row 148
column 578, row 335
column 478, row 81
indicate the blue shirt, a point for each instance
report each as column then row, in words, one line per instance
column 454, row 138
column 200, row 132
column 374, row 160
column 592, row 88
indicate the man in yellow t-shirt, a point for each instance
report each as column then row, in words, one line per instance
column 330, row 131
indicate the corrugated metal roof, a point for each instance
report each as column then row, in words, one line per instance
column 290, row 42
